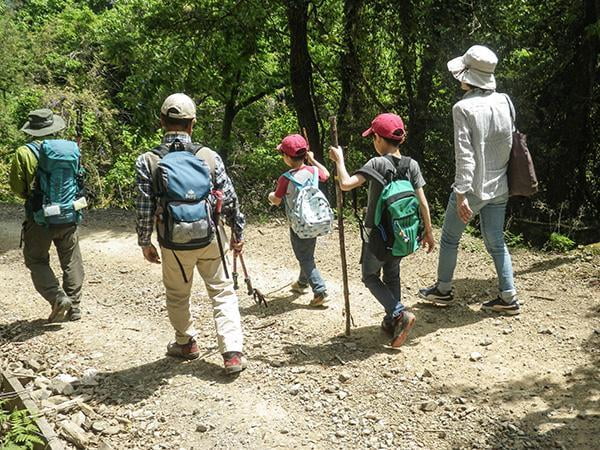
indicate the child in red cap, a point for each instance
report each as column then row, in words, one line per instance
column 387, row 131
column 294, row 150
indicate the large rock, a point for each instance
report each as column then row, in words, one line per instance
column 74, row 434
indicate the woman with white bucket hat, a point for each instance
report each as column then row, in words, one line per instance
column 483, row 129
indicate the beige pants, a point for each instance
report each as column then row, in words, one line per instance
column 220, row 290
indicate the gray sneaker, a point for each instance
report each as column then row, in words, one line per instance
column 60, row 307
column 434, row 295
column 497, row 305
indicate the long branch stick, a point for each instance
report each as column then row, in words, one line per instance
column 340, row 213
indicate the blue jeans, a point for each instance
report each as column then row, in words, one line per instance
column 304, row 249
column 385, row 289
column 491, row 213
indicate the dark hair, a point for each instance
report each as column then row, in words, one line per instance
column 298, row 158
column 172, row 122
column 396, row 142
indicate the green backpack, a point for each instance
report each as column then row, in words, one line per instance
column 397, row 216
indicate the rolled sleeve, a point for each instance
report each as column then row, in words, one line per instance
column 463, row 152
column 231, row 210
column 145, row 202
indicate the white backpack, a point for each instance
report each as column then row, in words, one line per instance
column 310, row 216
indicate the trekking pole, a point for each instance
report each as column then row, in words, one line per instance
column 234, row 272
column 255, row 293
column 218, row 207
column 340, row 213
column 79, row 124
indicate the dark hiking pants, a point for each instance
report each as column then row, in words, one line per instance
column 37, row 241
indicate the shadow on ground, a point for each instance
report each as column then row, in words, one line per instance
column 23, row 330
column 137, row 383
column 567, row 414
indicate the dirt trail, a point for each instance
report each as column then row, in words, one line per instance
column 537, row 384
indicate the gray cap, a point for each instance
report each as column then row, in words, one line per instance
column 43, row 122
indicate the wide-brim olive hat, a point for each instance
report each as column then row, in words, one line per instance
column 43, row 122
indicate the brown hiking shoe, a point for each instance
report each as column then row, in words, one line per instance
column 61, row 305
column 402, row 327
column 185, row 351
column 319, row 299
column 234, row 362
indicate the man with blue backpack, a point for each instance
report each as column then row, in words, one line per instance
column 183, row 189
column 397, row 212
column 47, row 173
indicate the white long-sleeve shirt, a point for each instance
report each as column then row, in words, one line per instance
column 482, row 141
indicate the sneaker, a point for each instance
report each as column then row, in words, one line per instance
column 74, row 314
column 498, row 305
column 61, row 305
column 299, row 288
column 185, row 351
column 234, row 362
column 402, row 327
column 433, row 294
column 319, row 299
column 387, row 327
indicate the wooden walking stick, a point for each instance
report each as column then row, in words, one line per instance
column 340, row 213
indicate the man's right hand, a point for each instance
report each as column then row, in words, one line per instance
column 150, row 254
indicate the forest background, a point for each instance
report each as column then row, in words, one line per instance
column 259, row 70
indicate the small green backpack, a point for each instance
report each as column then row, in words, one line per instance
column 397, row 217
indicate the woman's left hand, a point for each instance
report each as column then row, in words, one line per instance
column 463, row 209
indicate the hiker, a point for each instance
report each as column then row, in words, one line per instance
column 294, row 151
column 51, row 215
column 482, row 142
column 180, row 186
column 388, row 133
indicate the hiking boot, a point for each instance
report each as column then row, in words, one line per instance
column 61, row 305
column 387, row 327
column 402, row 327
column 234, row 362
column 185, row 351
column 319, row 299
column 498, row 305
column 299, row 288
column 434, row 295
column 74, row 314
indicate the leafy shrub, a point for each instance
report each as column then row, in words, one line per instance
column 18, row 431
column 559, row 243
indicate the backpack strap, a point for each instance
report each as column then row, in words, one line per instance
column 315, row 177
column 511, row 107
column 373, row 174
column 291, row 178
column 35, row 149
column 401, row 167
column 207, row 155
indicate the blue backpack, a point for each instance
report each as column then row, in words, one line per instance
column 183, row 183
column 58, row 193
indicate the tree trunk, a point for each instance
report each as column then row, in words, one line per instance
column 352, row 99
column 301, row 73
column 228, row 117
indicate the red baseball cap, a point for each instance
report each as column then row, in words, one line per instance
column 387, row 125
column 293, row 145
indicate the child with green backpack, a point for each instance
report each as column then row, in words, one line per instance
column 307, row 210
column 397, row 212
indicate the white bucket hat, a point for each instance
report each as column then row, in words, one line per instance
column 475, row 67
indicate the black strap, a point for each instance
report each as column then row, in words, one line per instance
column 361, row 223
column 176, row 146
column 180, row 267
column 401, row 167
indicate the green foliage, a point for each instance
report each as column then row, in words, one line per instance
column 18, row 431
column 559, row 243
column 514, row 240
column 117, row 60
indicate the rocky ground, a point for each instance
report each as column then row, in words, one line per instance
column 465, row 379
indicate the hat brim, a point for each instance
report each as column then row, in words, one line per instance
column 456, row 65
column 368, row 132
column 58, row 124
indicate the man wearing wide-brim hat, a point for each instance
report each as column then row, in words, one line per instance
column 37, row 239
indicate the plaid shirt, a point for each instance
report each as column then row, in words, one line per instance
column 146, row 198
